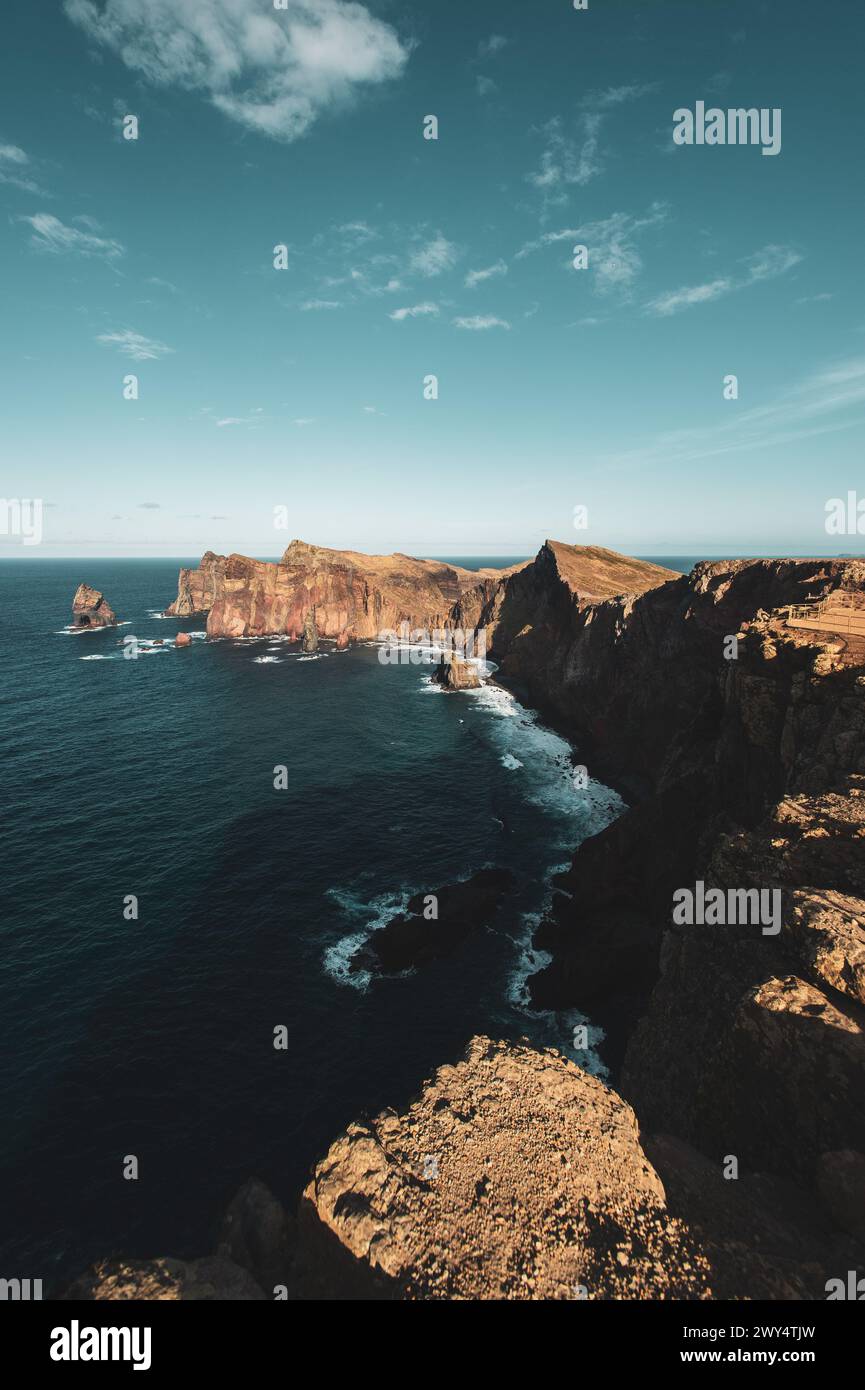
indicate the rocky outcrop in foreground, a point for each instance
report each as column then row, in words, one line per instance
column 89, row 609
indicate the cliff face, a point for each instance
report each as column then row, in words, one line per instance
column 359, row 595
column 365, row 595
column 752, row 773
column 89, row 609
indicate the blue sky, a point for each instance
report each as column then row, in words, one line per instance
column 303, row 388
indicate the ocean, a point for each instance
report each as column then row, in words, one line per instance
column 154, row 778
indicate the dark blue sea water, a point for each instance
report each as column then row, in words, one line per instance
column 154, row 777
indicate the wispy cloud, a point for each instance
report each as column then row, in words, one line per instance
column 766, row 264
column 417, row 311
column 829, row 400
column 434, row 257
column 15, row 169
column 566, row 162
column 573, row 160
column 480, row 322
column 314, row 304
column 52, row 235
column 135, row 345
column 615, row 261
column 272, row 70
column 477, row 277
column 485, row 85
column 617, row 96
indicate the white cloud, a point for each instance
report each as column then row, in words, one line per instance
column 416, row 312
column 477, row 277
column 762, row 265
column 229, row 420
column 273, row 71
column 50, row 234
column 305, row 420
column 135, row 345
column 438, row 255
column 479, row 322
column 313, row 304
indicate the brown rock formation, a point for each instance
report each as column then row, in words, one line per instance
column 310, row 632
column 361, row 595
column 89, row 609
column 517, row 1175
column 455, row 674
column 366, row 595
column 207, row 1280
column 183, row 639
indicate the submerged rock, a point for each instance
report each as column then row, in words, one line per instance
column 89, row 609
column 435, row 924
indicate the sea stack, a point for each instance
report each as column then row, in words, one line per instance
column 89, row 609
column 310, row 632
column 455, row 674
column 183, row 639
column 343, row 641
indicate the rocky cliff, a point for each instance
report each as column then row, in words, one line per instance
column 363, row 596
column 89, row 609
column 353, row 595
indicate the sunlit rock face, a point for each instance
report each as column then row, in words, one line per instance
column 89, row 609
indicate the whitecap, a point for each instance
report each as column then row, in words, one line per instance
column 510, row 762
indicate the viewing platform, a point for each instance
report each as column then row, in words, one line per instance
column 842, row 612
